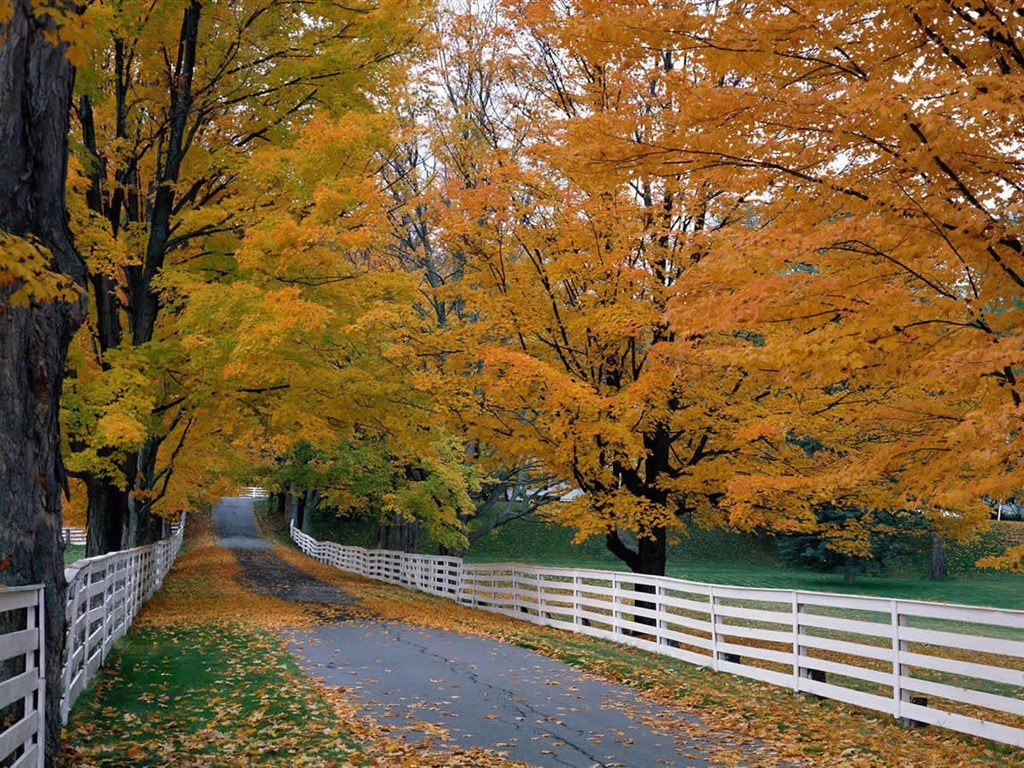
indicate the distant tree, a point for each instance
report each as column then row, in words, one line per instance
column 853, row 541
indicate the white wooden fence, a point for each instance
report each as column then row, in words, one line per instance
column 104, row 595
column 74, row 536
column 23, row 690
column 955, row 666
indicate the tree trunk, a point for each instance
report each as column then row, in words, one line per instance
column 145, row 300
column 104, row 523
column 649, row 558
column 383, row 536
column 850, row 575
column 937, row 567
column 310, row 504
column 294, row 510
column 141, row 526
column 653, row 553
column 35, row 98
column 407, row 534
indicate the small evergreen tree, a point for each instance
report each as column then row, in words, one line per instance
column 838, row 543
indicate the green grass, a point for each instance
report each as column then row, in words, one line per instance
column 224, row 695
column 725, row 557
column 73, row 553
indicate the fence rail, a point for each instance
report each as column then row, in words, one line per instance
column 104, row 595
column 22, row 676
column 74, row 536
column 959, row 667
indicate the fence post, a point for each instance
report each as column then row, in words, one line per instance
column 796, row 641
column 661, row 623
column 106, row 612
column 616, row 605
column 41, row 681
column 540, row 597
column 515, row 589
column 712, row 601
column 577, row 609
column 69, row 644
column 897, row 668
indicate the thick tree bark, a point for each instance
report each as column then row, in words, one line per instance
column 104, row 527
column 35, row 98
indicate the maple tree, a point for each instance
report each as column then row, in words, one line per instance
column 877, row 150
column 854, row 231
column 175, row 105
column 559, row 355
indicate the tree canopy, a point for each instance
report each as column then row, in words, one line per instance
column 698, row 264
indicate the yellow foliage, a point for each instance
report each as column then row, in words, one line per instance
column 28, row 266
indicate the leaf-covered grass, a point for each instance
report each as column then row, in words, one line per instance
column 203, row 679
column 205, row 694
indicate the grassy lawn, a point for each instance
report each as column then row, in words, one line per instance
column 73, row 553
column 212, row 694
column 723, row 557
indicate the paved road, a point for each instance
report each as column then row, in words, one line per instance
column 481, row 692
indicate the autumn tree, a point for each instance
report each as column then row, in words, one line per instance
column 876, row 147
column 305, row 339
column 562, row 356
column 177, row 100
column 871, row 243
column 41, row 275
column 458, row 107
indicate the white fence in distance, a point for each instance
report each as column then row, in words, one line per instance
column 105, row 594
column 74, row 536
column 23, row 690
column 954, row 666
